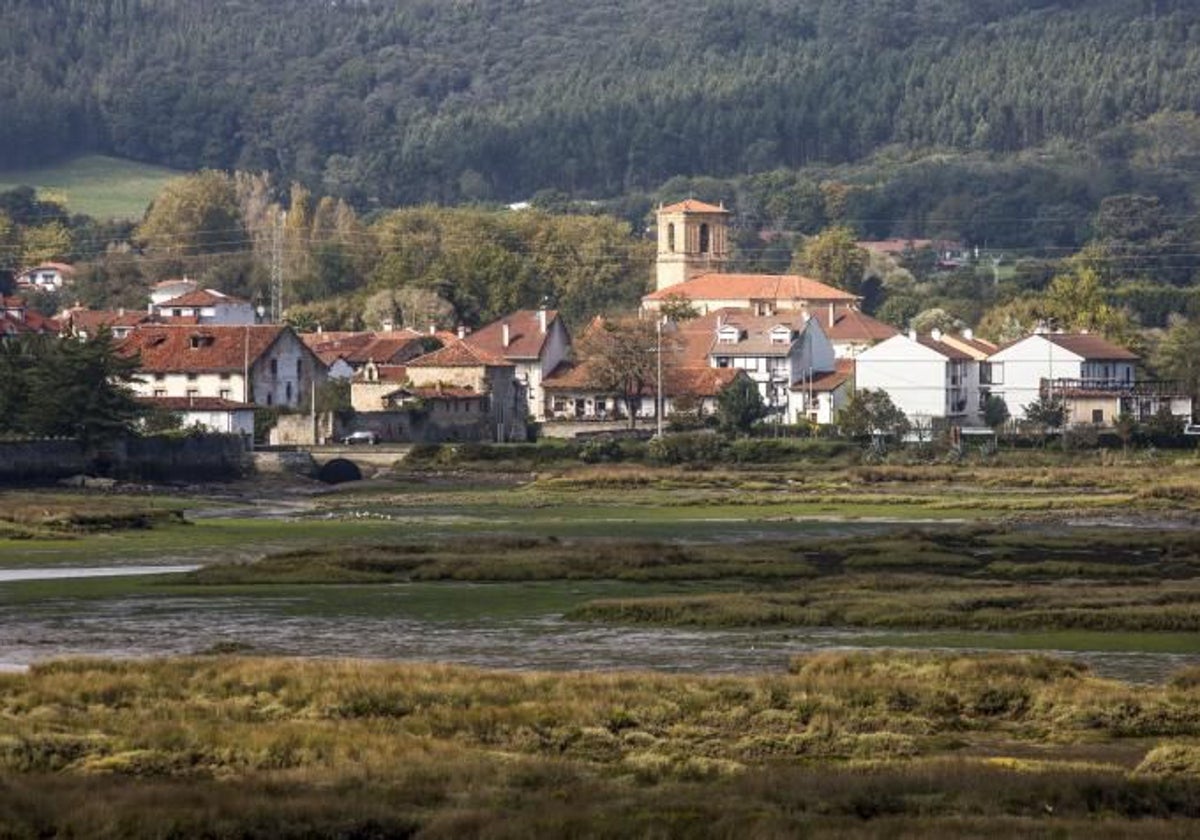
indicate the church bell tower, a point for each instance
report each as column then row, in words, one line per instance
column 692, row 240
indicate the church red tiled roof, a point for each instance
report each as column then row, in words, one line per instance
column 748, row 287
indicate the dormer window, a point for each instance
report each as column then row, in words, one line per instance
column 200, row 340
column 781, row 335
column 728, row 335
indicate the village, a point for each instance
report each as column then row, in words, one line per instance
column 213, row 360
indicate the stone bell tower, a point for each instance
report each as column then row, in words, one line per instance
column 692, row 240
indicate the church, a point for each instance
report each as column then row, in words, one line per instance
column 692, row 261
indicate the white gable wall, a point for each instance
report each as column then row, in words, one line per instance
column 1017, row 371
column 916, row 377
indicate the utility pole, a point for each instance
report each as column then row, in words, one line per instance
column 658, row 408
column 277, row 268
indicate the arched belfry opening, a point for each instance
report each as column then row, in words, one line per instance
column 692, row 241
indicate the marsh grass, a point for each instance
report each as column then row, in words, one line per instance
column 43, row 515
column 926, row 743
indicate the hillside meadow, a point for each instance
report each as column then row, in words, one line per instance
column 99, row 186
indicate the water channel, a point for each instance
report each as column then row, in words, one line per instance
column 512, row 626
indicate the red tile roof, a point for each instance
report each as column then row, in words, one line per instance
column 1090, row 346
column 196, row 404
column 828, row 380
column 459, row 354
column 202, row 349
column 947, row 350
column 691, row 381
column 16, row 318
column 851, row 325
column 62, row 268
column 525, row 336
column 201, row 297
column 91, row 321
column 385, row 373
column 748, row 287
column 691, row 205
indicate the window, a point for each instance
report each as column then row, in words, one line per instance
column 288, row 391
column 299, row 368
column 704, row 239
column 160, row 392
column 225, row 394
column 671, row 238
column 224, row 377
column 270, row 398
column 192, row 393
column 159, row 377
column 191, row 377
column 1097, row 415
column 274, row 367
column 558, row 404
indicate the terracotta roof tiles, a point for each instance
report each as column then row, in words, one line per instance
column 691, row 205
column 459, row 354
column 202, row 349
column 525, row 335
column 747, row 287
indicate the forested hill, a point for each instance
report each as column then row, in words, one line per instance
column 444, row 100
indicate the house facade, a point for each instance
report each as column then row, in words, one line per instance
column 466, row 369
column 1096, row 379
column 211, row 414
column 17, row 319
column 574, row 394
column 925, row 377
column 207, row 306
column 776, row 352
column 47, row 277
column 266, row 365
column 535, row 341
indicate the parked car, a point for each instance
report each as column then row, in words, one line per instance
column 354, row 438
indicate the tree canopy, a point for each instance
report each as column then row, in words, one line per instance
column 415, row 101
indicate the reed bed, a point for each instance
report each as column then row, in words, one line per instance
column 847, row 745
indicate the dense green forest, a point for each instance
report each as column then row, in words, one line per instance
column 995, row 120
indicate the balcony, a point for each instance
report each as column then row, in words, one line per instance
column 1112, row 388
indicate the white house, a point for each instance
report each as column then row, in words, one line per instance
column 207, row 306
column 926, row 378
column 266, row 365
column 824, row 393
column 1096, row 378
column 47, row 277
column 535, row 342
column 776, row 352
column 211, row 414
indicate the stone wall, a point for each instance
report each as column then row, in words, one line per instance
column 160, row 458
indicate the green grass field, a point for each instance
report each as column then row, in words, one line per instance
column 100, row 186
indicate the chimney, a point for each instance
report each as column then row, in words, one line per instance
column 542, row 319
column 832, row 316
column 968, row 334
column 505, row 335
column 432, row 328
column 912, row 335
column 121, row 312
column 935, row 334
column 462, row 331
column 388, row 325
